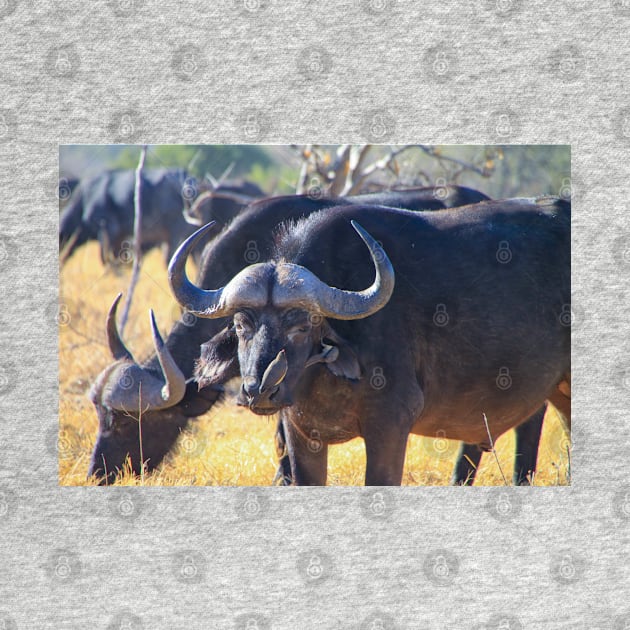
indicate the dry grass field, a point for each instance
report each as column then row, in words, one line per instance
column 229, row 445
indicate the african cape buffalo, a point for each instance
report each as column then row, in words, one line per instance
column 322, row 356
column 248, row 238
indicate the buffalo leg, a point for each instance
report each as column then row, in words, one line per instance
column 527, row 442
column 385, row 456
column 466, row 465
column 283, row 476
column 309, row 461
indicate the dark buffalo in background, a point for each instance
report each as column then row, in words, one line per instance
column 306, row 349
column 102, row 208
column 221, row 203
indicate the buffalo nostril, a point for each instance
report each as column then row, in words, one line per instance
column 250, row 386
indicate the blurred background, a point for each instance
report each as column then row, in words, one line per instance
column 498, row 171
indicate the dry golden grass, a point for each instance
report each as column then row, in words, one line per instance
column 229, row 445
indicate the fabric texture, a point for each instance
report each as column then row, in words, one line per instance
column 272, row 72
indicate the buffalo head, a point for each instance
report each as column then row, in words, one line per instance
column 141, row 411
column 279, row 323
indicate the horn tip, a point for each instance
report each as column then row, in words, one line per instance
column 154, row 329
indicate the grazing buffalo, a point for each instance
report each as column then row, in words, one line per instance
column 102, row 208
column 338, row 360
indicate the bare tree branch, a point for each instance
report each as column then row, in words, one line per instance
column 137, row 239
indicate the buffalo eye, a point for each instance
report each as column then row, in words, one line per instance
column 299, row 331
column 243, row 326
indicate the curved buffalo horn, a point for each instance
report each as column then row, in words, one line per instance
column 116, row 344
column 298, row 286
column 175, row 383
column 129, row 386
column 341, row 304
column 192, row 298
column 275, row 372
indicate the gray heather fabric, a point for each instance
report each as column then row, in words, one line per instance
column 270, row 71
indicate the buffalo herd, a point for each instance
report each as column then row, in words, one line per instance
column 434, row 311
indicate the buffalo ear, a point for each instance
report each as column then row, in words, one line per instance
column 346, row 364
column 218, row 362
